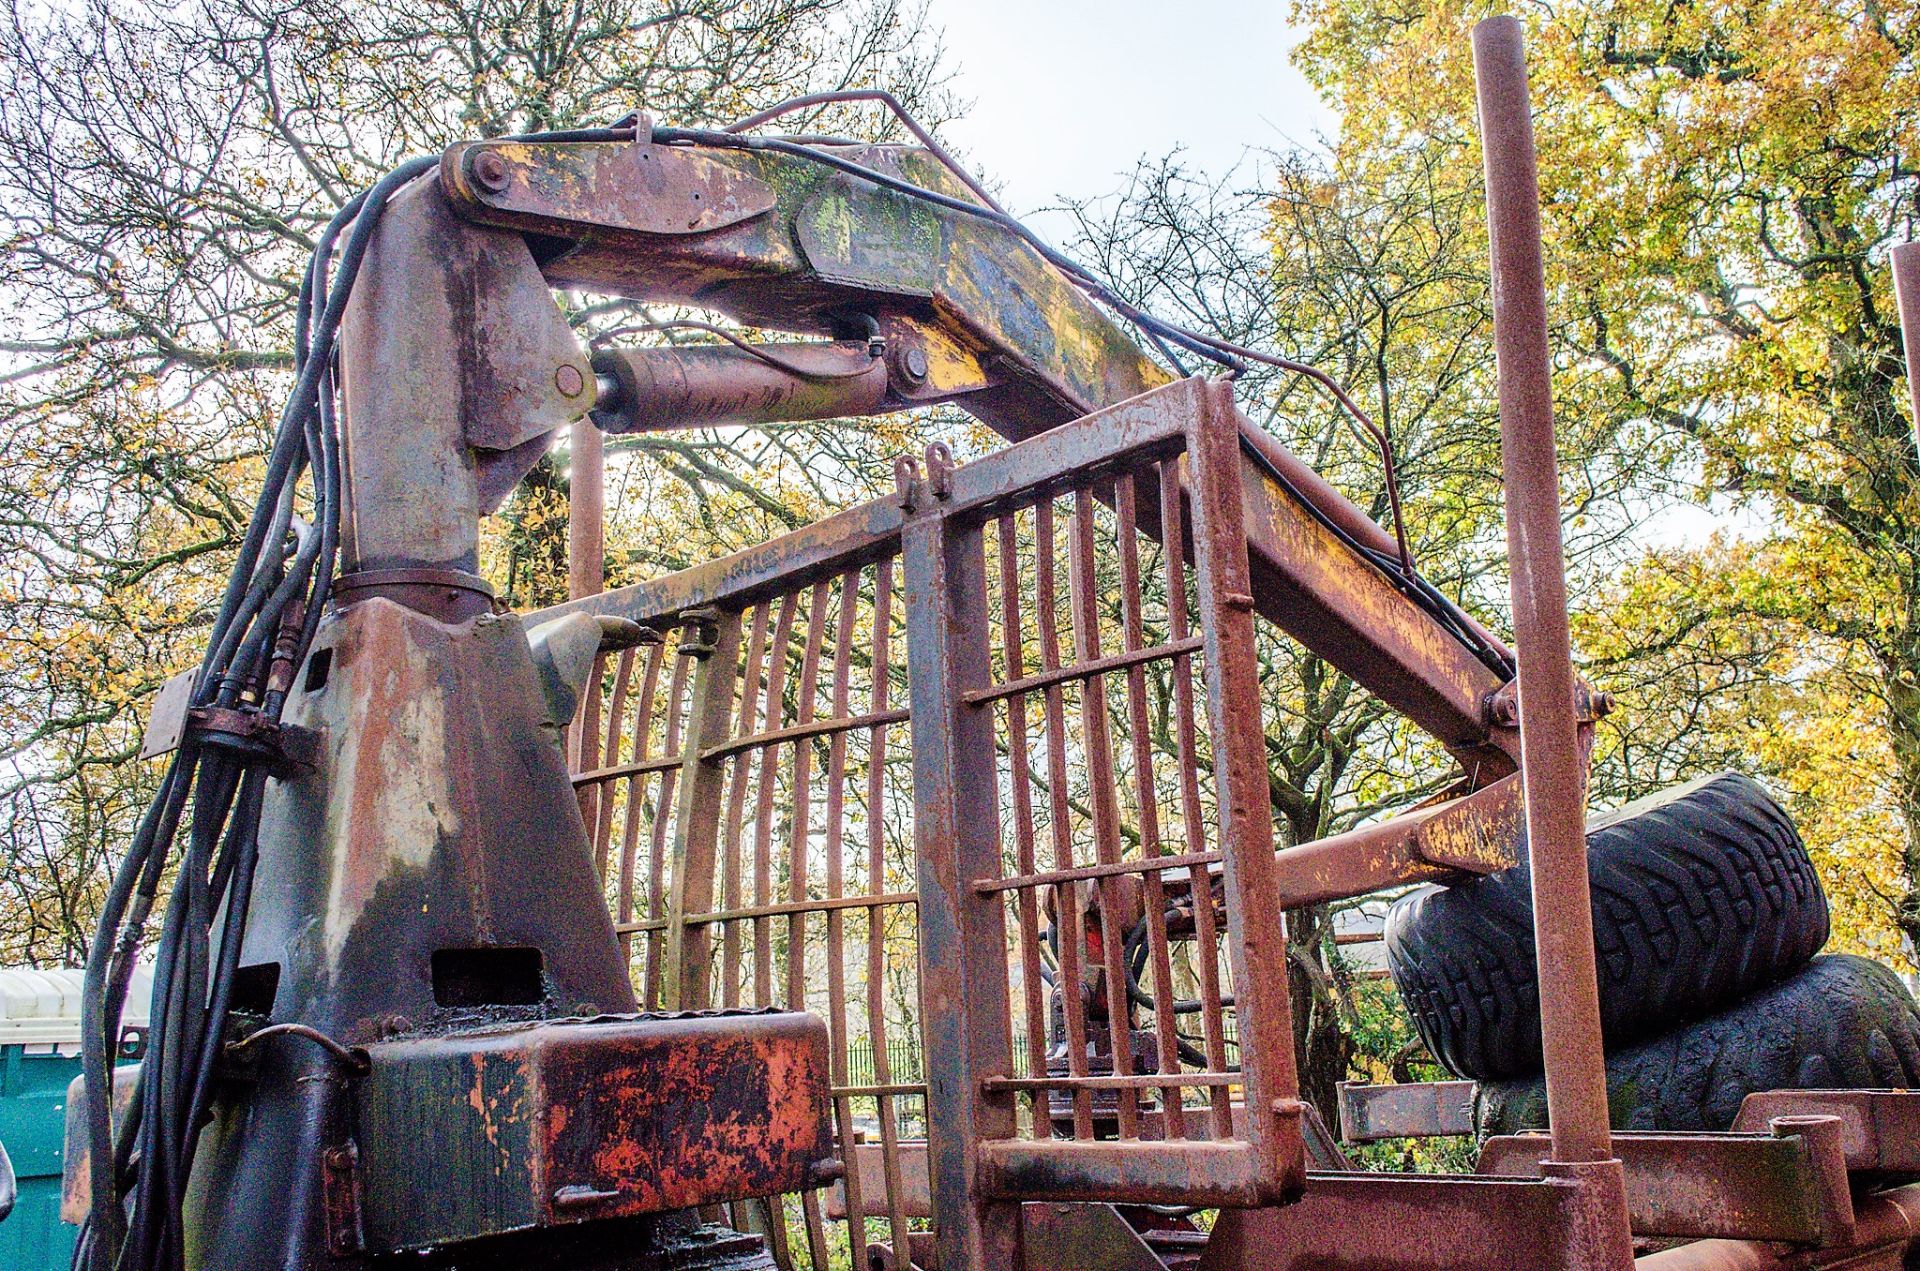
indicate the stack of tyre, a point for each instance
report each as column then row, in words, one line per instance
column 1708, row 923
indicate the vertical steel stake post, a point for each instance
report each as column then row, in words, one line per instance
column 1553, row 771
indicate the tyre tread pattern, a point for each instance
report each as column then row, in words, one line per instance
column 1701, row 894
column 1843, row 1022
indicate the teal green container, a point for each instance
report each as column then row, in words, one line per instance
column 39, row 1056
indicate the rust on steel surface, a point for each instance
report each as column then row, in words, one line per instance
column 1058, row 356
column 1035, row 522
column 792, row 684
column 1552, row 760
column 956, row 839
column 444, row 410
column 828, row 244
column 1088, row 1237
column 634, row 186
column 1414, row 1109
column 867, row 1165
column 1139, row 1171
column 1347, row 610
column 1879, row 1129
column 1371, row 1222
column 569, row 1120
column 1473, row 834
column 1788, row 1184
column 1885, row 1226
column 714, row 386
column 1076, row 498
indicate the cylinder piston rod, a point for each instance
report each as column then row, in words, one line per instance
column 716, row 385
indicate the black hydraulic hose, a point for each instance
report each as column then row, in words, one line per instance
column 152, row 1159
column 278, row 589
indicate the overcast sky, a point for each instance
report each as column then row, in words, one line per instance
column 1067, row 94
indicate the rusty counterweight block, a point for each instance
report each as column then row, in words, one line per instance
column 565, row 1121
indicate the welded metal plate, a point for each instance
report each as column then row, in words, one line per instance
column 1413, row 1109
column 1790, row 1184
column 477, row 1133
column 1879, row 1129
column 168, row 723
column 620, row 185
column 869, row 237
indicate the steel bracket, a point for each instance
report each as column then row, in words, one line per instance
column 1406, row 1110
column 1879, row 1129
column 1787, row 1184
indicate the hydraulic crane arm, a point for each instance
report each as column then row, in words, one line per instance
column 923, row 301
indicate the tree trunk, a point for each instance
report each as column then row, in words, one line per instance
column 1321, row 1047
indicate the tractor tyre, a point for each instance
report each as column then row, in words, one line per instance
column 1842, row 1022
column 1702, row 894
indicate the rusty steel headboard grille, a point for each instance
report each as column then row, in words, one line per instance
column 1107, row 795
column 1040, row 867
column 1089, row 747
column 626, row 754
column 746, row 781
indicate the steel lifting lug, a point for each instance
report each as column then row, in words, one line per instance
column 906, row 480
column 940, row 469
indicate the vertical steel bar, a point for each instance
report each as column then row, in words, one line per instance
column 1257, row 945
column 799, row 838
column 799, row 846
column 773, row 715
column 1096, row 740
column 610, row 757
column 657, row 903
column 1133, row 636
column 687, row 982
column 636, row 795
column 885, row 1106
column 1554, row 774
column 836, row 883
column 731, row 864
column 1906, row 291
column 586, row 510
column 1206, row 938
column 1066, row 897
column 1012, row 638
column 963, row 936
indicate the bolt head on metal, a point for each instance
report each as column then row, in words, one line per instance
column 914, row 363
column 569, row 380
column 489, row 171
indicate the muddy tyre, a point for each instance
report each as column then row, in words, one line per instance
column 1841, row 1022
column 1702, row 894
